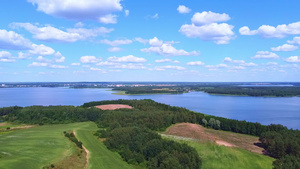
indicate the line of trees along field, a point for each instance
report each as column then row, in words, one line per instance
column 131, row 132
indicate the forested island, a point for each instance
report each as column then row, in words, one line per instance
column 133, row 133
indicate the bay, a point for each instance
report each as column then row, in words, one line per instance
column 265, row 110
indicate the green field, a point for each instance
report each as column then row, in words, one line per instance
column 221, row 157
column 37, row 147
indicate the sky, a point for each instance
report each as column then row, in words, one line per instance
column 149, row 40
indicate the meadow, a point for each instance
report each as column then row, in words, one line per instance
column 41, row 146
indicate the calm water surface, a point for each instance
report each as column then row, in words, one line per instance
column 265, row 110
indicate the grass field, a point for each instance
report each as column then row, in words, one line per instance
column 37, row 147
column 214, row 156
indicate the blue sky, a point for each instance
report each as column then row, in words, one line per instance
column 149, row 40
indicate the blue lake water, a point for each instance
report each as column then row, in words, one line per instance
column 265, row 110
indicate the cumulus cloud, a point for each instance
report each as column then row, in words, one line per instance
column 6, row 57
column 79, row 9
column 166, row 60
column 204, row 18
column 285, row 47
column 246, row 31
column 38, row 64
column 129, row 58
column 195, row 63
column 89, row 59
column 219, row 33
column 166, row 49
column 216, row 67
column 114, row 49
column 116, row 42
column 265, row 55
column 183, row 9
column 204, row 26
column 41, row 50
column 296, row 40
column 52, row 34
column 129, row 66
column 162, row 68
column 239, row 62
column 293, row 59
column 75, row 64
column 141, row 40
column 107, row 19
column 13, row 41
column 267, row 31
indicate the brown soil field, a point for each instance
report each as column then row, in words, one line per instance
column 223, row 138
column 113, row 106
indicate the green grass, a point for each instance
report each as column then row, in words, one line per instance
column 37, row 147
column 100, row 156
column 4, row 125
column 221, row 157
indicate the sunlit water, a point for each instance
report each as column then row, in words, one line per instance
column 265, row 110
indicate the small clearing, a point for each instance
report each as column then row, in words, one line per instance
column 228, row 139
column 113, row 106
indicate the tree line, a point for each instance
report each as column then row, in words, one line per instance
column 148, row 116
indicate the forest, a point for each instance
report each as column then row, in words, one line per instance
column 133, row 132
column 218, row 88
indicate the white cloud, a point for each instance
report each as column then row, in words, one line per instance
column 196, row 63
column 6, row 57
column 13, row 41
column 58, row 66
column 79, row 9
column 126, row 12
column 114, row 49
column 237, row 68
column 155, row 42
column 155, row 16
column 216, row 67
column 59, row 58
column 265, row 55
column 293, row 59
column 89, row 59
column 38, row 64
column 107, row 63
column 268, row 31
column 97, row 69
column 129, row 58
column 209, row 17
column 75, row 64
column 183, row 9
column 167, row 60
column 41, row 50
column 246, row 31
column 271, row 64
column 116, row 42
column 166, row 49
column 296, row 40
column 42, row 59
column 240, row 62
column 108, row 19
column 285, row 47
column 79, row 25
column 52, row 34
column 141, row 40
column 161, row 68
column 219, row 33
column 130, row 66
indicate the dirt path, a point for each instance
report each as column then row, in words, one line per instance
column 223, row 138
column 87, row 153
column 113, row 106
column 197, row 132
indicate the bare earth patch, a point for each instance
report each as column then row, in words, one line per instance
column 223, row 138
column 113, row 106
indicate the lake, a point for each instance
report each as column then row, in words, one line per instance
column 265, row 110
